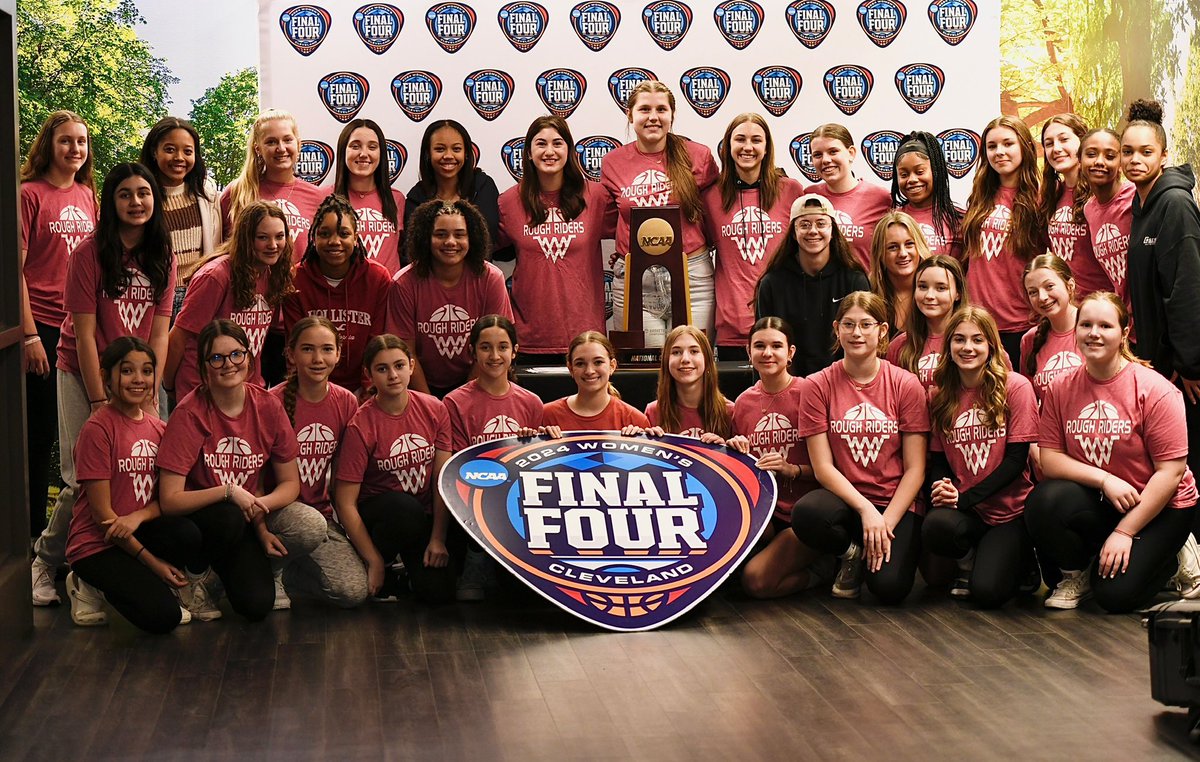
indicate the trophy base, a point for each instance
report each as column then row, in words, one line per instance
column 632, row 350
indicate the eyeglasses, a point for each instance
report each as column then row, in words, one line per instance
column 216, row 360
column 849, row 325
column 806, row 225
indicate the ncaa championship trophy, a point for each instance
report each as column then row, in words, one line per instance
column 655, row 239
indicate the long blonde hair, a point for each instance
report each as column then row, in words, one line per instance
column 714, row 408
column 679, row 161
column 993, row 389
column 244, row 190
column 881, row 283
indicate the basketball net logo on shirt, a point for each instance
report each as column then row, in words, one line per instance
column 974, row 439
column 373, row 230
column 297, row 222
column 1110, row 248
column 134, row 301
column 317, row 444
column 499, row 427
column 408, row 460
column 936, row 240
column 752, row 230
column 649, row 188
column 1056, row 364
column 864, row 428
column 1064, row 232
column 234, row 461
column 1097, row 428
column 995, row 231
column 774, row 432
column 73, row 225
column 448, row 327
column 846, row 224
column 141, row 467
column 555, row 235
column 255, row 320
column 926, row 366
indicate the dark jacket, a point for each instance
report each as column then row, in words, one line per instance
column 485, row 197
column 1164, row 274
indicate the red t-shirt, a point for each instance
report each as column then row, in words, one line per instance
column 858, row 212
column 690, row 423
column 1057, row 356
column 1072, row 242
column 114, row 448
column 558, row 284
column 54, row 221
column 615, row 416
column 212, row 449
column 975, row 450
column 768, row 421
column 1121, row 425
column 994, row 277
column 209, row 297
column 744, row 236
column 865, row 425
column 298, row 200
column 130, row 314
column 394, row 453
column 1108, row 226
column 927, row 363
column 633, row 178
column 940, row 242
column 319, row 427
column 437, row 320
column 477, row 416
column 379, row 236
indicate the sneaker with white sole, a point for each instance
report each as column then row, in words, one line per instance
column 1187, row 579
column 474, row 576
column 282, row 601
column 962, row 580
column 87, row 603
column 196, row 599
column 42, row 577
column 185, row 616
column 849, row 579
column 1075, row 588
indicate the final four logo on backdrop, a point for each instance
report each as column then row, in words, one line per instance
column 488, row 91
column 343, row 93
column 512, row 153
column 777, row 88
column 848, row 87
column 882, row 20
column 592, row 151
column 451, row 25
column 313, row 161
column 397, row 157
column 961, row 148
column 416, row 93
column 625, row 533
column 800, row 148
column 879, row 149
column 523, row 24
column 705, row 89
column 561, row 90
column 667, row 22
column 738, row 21
column 811, row 21
column 305, row 27
column 378, row 26
column 622, row 82
column 595, row 23
column 953, row 19
column 920, row 84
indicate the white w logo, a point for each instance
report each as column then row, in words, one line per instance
column 1115, row 267
column 865, row 449
column 753, row 248
column 132, row 313
column 1063, row 247
column 1096, row 449
column 232, row 477
column 993, row 244
column 449, row 346
column 312, row 470
column 555, row 247
column 411, row 480
column 372, row 243
column 72, row 242
column 143, row 486
column 976, row 455
column 783, row 450
column 657, row 199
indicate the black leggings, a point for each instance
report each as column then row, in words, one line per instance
column 1071, row 522
column 826, row 524
column 41, row 429
column 1011, row 341
column 231, row 547
column 1002, row 551
column 399, row 525
column 137, row 593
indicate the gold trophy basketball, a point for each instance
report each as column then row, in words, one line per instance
column 655, row 238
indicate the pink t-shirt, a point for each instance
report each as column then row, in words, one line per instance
column 994, row 276
column 212, row 449
column 298, row 200
column 114, row 448
column 477, row 416
column 744, row 236
column 940, row 242
column 633, row 178
column 975, row 450
column 437, row 320
column 379, row 236
column 616, row 415
column 1071, row 241
column 54, row 222
column 690, row 423
column 130, row 314
column 394, row 453
column 927, row 363
column 865, row 425
column 1109, row 225
column 558, row 284
column 769, row 422
column 1122, row 425
column 858, row 212
column 1057, row 356
column 319, row 426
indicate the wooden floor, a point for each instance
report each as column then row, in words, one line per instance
column 806, row 678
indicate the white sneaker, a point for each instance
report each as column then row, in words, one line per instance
column 849, row 579
column 962, row 580
column 1075, row 588
column 42, row 576
column 185, row 616
column 195, row 598
column 1187, row 579
column 282, row 601
column 470, row 584
column 87, row 603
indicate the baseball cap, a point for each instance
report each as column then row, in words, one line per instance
column 809, row 204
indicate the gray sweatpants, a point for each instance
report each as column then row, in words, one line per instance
column 332, row 572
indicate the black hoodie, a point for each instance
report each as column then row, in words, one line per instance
column 1164, row 274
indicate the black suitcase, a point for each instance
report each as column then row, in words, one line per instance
column 1174, row 631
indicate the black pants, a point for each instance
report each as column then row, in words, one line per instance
column 41, row 429
column 1072, row 523
column 1002, row 552
column 399, row 526
column 130, row 587
column 231, row 547
column 1192, row 416
column 1011, row 341
column 826, row 524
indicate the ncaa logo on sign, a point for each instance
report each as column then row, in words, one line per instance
column 416, row 93
column 777, row 88
column 592, row 151
column 450, row 24
column 488, row 92
column 879, row 148
column 523, row 24
column 343, row 93
column 667, row 22
column 595, row 23
column 512, row 153
column 622, row 82
column 305, row 27
column 313, row 161
column 705, row 89
column 561, row 90
column 397, row 157
column 378, row 26
column 882, row 20
column 738, row 21
column 811, row 21
column 801, row 150
column 920, row 85
column 961, row 148
column 848, row 87
column 483, row 473
column 953, row 19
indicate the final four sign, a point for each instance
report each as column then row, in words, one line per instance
column 626, row 533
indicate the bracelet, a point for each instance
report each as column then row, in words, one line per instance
column 35, row 339
column 139, row 553
column 1119, row 530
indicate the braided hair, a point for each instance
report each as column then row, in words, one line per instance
column 1059, row 267
column 946, row 216
column 291, row 387
column 338, row 206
